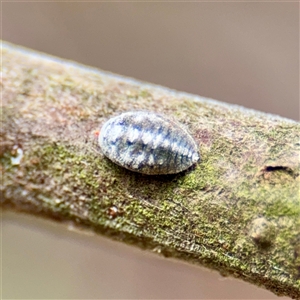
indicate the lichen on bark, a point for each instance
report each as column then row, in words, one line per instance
column 237, row 211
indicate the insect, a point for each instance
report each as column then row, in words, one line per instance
column 148, row 143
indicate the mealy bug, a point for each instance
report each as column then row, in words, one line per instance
column 148, row 143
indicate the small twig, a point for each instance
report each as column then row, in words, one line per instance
column 237, row 211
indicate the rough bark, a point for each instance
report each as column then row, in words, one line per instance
column 237, row 211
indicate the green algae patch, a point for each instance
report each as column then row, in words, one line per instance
column 281, row 207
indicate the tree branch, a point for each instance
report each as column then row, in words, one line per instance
column 237, row 211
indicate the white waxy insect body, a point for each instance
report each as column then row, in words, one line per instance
column 148, row 143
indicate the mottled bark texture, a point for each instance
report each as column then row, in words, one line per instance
column 236, row 211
